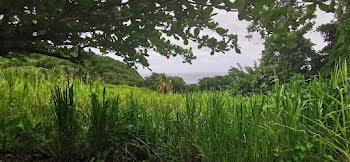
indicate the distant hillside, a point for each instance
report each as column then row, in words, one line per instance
column 104, row 68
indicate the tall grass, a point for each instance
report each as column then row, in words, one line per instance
column 97, row 130
column 66, row 123
column 299, row 121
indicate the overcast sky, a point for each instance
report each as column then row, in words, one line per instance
column 220, row 63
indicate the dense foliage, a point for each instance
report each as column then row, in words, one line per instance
column 48, row 118
column 288, row 54
column 98, row 67
column 337, row 34
column 177, row 84
column 215, row 83
column 128, row 28
column 293, row 106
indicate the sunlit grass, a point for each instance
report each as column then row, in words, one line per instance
column 298, row 121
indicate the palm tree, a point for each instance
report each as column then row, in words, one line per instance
column 164, row 84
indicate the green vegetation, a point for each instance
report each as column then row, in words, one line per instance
column 337, row 35
column 215, row 83
column 53, row 118
column 164, row 84
column 62, row 28
column 98, row 67
column 171, row 83
column 247, row 80
column 175, row 83
column 72, row 105
column 288, row 54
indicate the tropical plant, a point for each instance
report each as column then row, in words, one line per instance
column 150, row 81
column 164, row 84
column 178, row 84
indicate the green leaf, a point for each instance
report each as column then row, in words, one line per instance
column 238, row 50
column 327, row 8
column 295, row 158
column 290, row 44
column 239, row 4
column 311, row 8
column 281, row 30
column 309, row 145
column 196, row 32
column 292, row 35
column 34, row 21
column 330, row 157
column 233, row 37
column 103, row 50
column 208, row 10
column 176, row 26
column 267, row 14
column 212, row 42
column 275, row 36
column 213, row 25
column 205, row 37
column 185, row 42
column 221, row 31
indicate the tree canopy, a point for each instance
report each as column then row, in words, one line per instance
column 283, row 20
column 129, row 28
column 178, row 85
column 214, row 83
column 132, row 28
column 337, row 34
